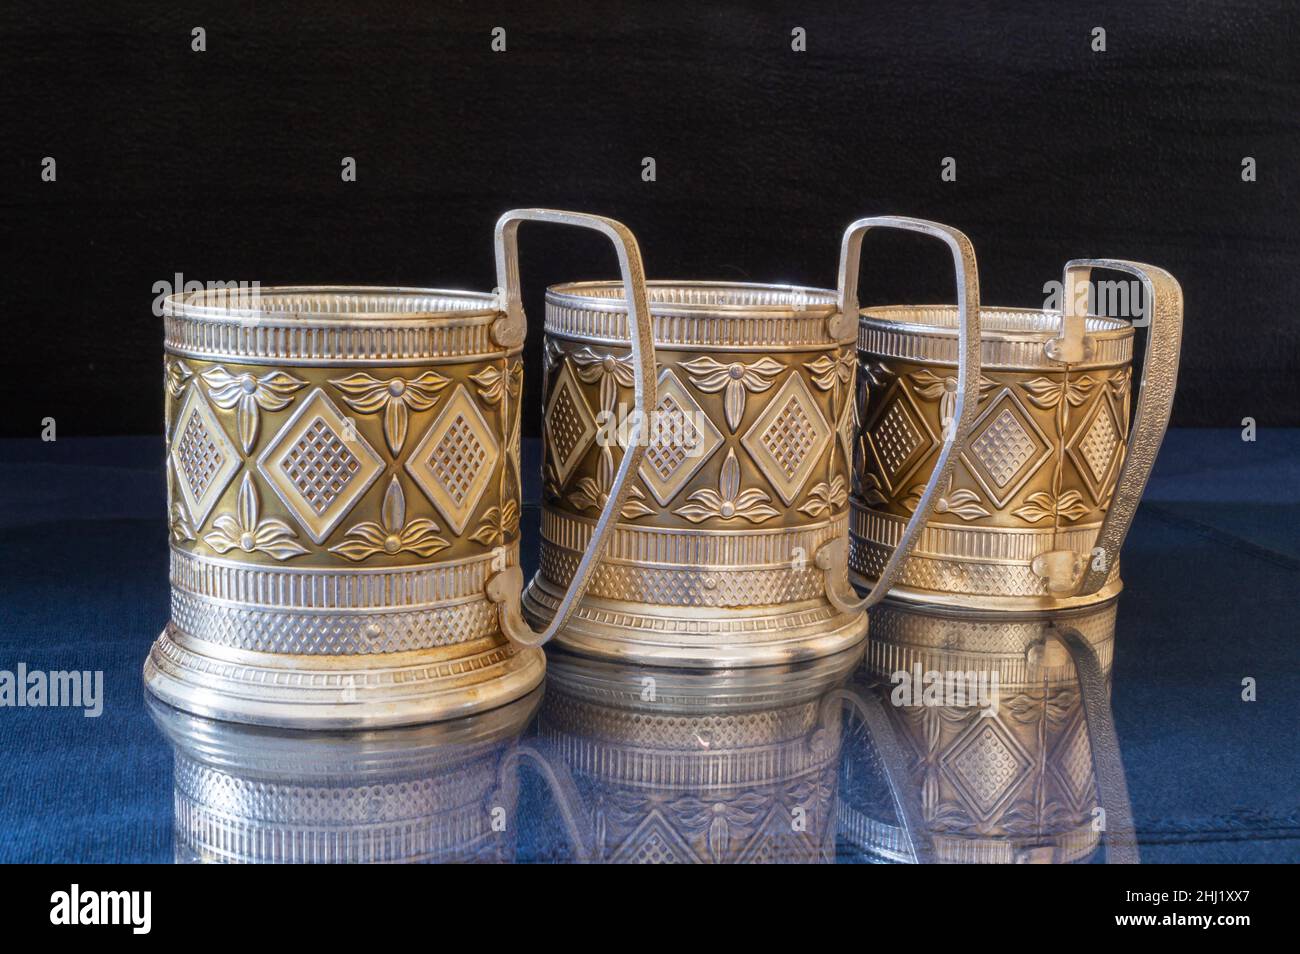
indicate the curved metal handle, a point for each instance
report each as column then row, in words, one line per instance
column 1108, row 766
column 505, row 588
column 893, row 752
column 574, row 816
column 833, row 557
column 1164, row 304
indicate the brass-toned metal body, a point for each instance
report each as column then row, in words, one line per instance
column 744, row 479
column 344, row 494
column 343, row 471
column 1037, row 507
column 732, row 550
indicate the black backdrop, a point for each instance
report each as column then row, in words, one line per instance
column 225, row 165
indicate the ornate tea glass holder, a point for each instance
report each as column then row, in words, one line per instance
column 344, row 491
column 731, row 548
column 1035, row 512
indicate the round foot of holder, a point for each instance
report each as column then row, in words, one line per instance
column 699, row 638
column 986, row 604
column 332, row 692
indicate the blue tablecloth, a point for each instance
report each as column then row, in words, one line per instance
column 1212, row 574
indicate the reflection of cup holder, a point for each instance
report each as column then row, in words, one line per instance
column 426, row 793
column 691, row 766
column 944, row 782
column 904, row 636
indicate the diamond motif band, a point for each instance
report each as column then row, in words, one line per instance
column 343, row 482
column 344, row 495
column 1035, row 477
column 745, row 473
column 1050, row 463
column 1007, row 777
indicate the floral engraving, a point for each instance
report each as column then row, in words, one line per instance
column 964, row 503
column 728, row 502
column 868, row 483
column 176, row 374
column 1045, row 392
column 493, row 381
column 248, row 393
column 1070, row 505
column 179, row 524
column 392, row 534
column 826, row 497
column 498, row 524
column 397, row 396
column 930, row 387
column 611, row 370
column 246, row 532
column 1119, row 382
column 737, row 379
column 592, row 493
column 827, row 371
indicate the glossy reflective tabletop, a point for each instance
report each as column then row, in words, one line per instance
column 1005, row 751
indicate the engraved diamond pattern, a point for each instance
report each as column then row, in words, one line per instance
column 231, row 802
column 898, row 439
column 987, row 766
column 847, row 430
column 764, row 849
column 1006, row 447
column 654, row 843
column 318, row 465
column 330, row 633
column 682, row 438
column 456, row 459
column 773, row 842
column 1003, row 447
column 687, row 587
column 200, row 457
column 653, row 850
column 1073, row 763
column 570, row 426
column 788, row 438
column 674, row 437
column 203, row 458
column 1096, row 447
column 566, row 425
column 945, row 576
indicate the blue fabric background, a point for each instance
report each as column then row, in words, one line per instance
column 1212, row 570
